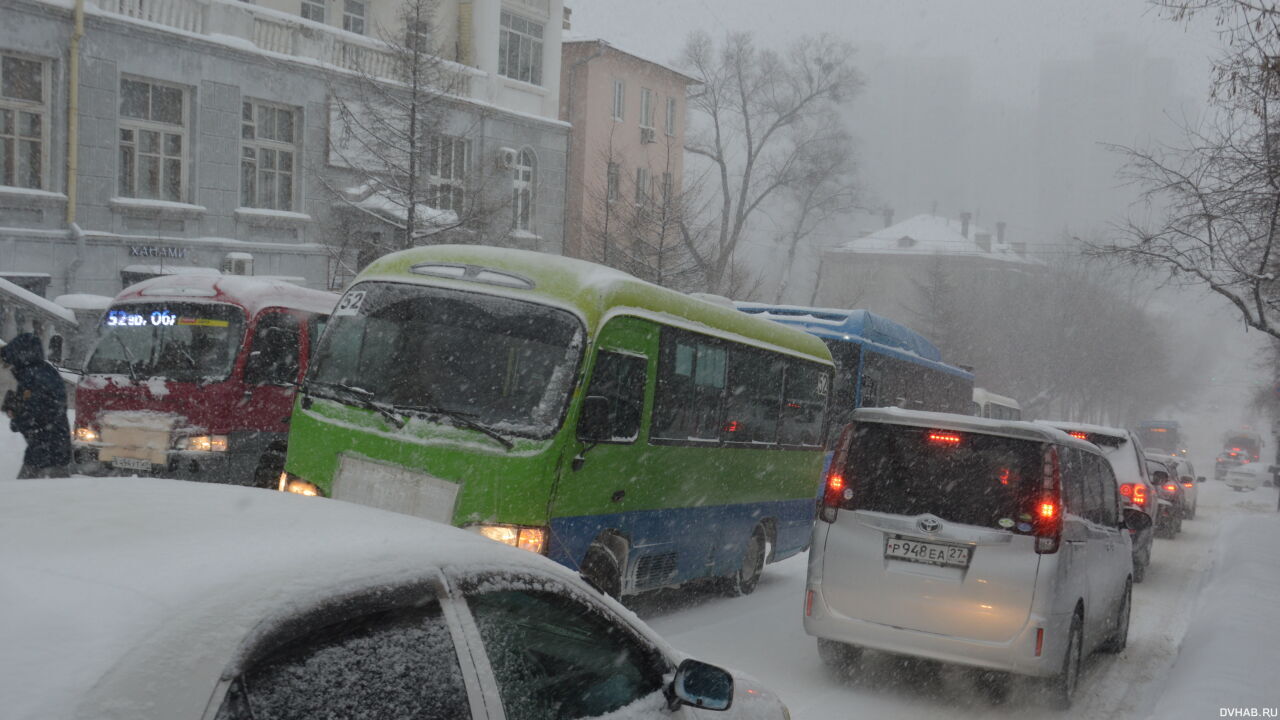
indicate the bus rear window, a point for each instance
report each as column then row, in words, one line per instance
column 961, row 477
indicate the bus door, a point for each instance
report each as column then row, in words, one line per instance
column 602, row 488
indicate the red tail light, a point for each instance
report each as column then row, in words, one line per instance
column 1126, row 489
column 1047, row 514
column 835, row 490
column 1170, row 487
column 1139, row 494
column 1039, row 641
column 1187, row 484
column 944, row 438
column 1079, row 435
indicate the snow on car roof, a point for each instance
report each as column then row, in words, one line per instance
column 970, row 423
column 126, row 597
column 1115, row 432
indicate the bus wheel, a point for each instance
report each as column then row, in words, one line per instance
column 746, row 578
column 602, row 571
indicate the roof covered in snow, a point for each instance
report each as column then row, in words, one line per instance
column 575, row 39
column 131, row 598
column 837, row 323
column 927, row 234
column 26, row 296
column 251, row 293
column 966, row 423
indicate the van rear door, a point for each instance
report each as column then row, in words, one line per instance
column 935, row 532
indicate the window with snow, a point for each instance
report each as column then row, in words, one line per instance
column 153, row 140
column 268, row 155
column 313, row 10
column 353, row 16
column 447, row 161
column 522, row 191
column 520, row 48
column 23, row 118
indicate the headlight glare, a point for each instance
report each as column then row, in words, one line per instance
column 86, row 434
column 533, row 539
column 204, row 443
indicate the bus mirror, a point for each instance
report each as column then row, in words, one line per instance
column 593, row 421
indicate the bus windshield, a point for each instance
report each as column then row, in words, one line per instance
column 181, row 341
column 505, row 363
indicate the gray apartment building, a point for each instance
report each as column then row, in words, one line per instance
column 205, row 135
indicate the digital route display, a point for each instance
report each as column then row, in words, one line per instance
column 156, row 318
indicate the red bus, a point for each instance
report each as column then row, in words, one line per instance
column 193, row 377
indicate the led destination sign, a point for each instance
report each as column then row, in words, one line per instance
column 157, row 318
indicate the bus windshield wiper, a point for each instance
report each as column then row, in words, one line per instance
column 128, row 359
column 457, row 418
column 364, row 399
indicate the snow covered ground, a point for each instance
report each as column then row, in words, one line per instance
column 1205, row 638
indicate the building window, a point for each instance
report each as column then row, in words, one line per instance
column 313, row 10
column 353, row 16
column 23, row 118
column 268, row 155
column 447, row 161
column 619, row 100
column 642, row 186
column 153, row 147
column 613, row 179
column 671, row 116
column 522, row 191
column 520, row 49
column 646, row 108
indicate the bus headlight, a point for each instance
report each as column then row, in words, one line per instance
column 532, row 539
column 297, row 486
column 86, row 434
column 203, row 443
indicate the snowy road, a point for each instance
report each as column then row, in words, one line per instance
column 762, row 635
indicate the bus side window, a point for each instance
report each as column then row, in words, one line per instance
column 755, row 389
column 803, row 405
column 691, row 385
column 273, row 357
column 620, row 378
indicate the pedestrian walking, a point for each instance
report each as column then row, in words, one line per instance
column 37, row 408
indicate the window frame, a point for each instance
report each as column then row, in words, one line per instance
column 140, row 125
column 308, row 9
column 646, row 108
column 352, row 20
column 624, row 356
column 671, row 117
column 454, row 185
column 619, row 100
column 523, row 190
column 529, row 65
column 42, row 109
column 259, row 144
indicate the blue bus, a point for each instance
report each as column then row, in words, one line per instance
column 879, row 363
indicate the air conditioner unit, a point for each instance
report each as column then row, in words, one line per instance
column 647, row 135
column 505, row 158
column 237, row 263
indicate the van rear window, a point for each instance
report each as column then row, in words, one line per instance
column 961, row 477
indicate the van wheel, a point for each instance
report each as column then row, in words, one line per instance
column 746, row 578
column 1120, row 636
column 840, row 657
column 1062, row 687
column 603, row 571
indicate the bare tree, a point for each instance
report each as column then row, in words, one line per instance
column 751, row 102
column 1214, row 202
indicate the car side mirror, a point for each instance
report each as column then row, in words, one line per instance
column 593, row 421
column 702, row 685
column 1200, row 479
column 1159, row 477
column 1136, row 520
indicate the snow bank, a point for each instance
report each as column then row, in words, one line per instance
column 1230, row 657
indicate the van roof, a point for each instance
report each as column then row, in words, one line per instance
column 251, row 293
column 594, row 292
column 1021, row 430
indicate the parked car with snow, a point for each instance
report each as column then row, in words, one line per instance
column 1247, row 477
column 998, row 545
column 193, row 377
column 142, row 598
column 1124, row 452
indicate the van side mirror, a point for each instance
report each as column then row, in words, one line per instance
column 1136, row 520
column 1159, row 477
column 593, row 421
column 701, row 685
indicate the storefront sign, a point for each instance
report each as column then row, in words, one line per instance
column 176, row 253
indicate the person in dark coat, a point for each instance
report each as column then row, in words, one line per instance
column 38, row 409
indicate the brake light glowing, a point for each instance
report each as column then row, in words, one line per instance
column 1126, row 489
column 1079, row 435
column 732, row 426
column 1048, row 510
column 1158, row 430
column 1048, row 518
column 835, row 483
column 1139, row 495
column 944, row 438
column 1171, row 487
column 1187, row 484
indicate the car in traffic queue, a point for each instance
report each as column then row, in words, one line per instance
column 1124, row 451
column 997, row 545
column 1226, row 460
column 193, row 377
column 1190, row 484
column 230, row 603
column 1174, row 500
column 1247, row 477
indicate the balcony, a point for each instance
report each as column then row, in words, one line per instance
column 234, row 23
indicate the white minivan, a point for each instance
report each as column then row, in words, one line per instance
column 998, row 545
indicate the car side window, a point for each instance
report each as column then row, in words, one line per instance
column 1093, row 499
column 1110, row 492
column 556, row 658
column 1073, row 482
column 395, row 664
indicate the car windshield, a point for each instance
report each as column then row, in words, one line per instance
column 508, row 364
column 182, row 341
column 969, row 478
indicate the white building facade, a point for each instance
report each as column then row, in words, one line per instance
column 202, row 134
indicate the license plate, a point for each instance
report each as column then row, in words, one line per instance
column 126, row 463
column 900, row 548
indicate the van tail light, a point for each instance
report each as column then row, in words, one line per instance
column 808, row 604
column 1039, row 641
column 835, row 489
column 1187, row 484
column 1136, row 493
column 1171, row 487
column 1047, row 513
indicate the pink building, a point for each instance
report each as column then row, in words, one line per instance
column 626, row 148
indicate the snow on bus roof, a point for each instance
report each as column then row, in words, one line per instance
column 862, row 323
column 251, row 293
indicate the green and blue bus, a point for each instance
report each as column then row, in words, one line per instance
column 640, row 435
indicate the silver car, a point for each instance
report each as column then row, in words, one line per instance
column 147, row 598
column 999, row 545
